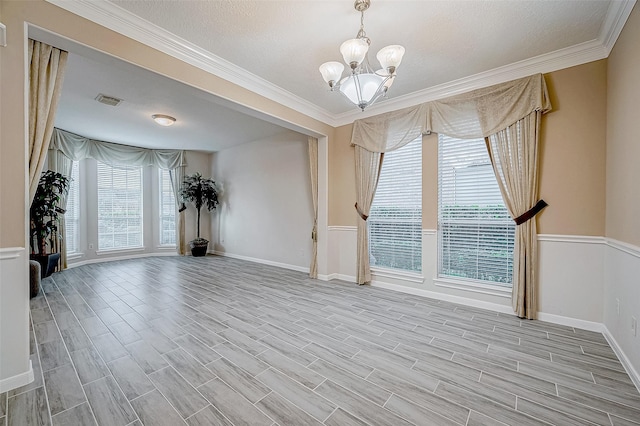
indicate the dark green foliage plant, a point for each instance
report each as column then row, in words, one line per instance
column 201, row 192
column 45, row 211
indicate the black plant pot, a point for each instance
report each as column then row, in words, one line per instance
column 48, row 263
column 199, row 247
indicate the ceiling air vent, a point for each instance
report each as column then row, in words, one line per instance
column 108, row 100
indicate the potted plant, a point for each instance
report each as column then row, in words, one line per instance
column 201, row 192
column 46, row 213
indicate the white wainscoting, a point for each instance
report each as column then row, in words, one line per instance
column 15, row 366
column 622, row 284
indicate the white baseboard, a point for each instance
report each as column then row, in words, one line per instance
column 113, row 259
column 446, row 297
column 571, row 322
column 262, row 261
column 18, row 380
column 633, row 374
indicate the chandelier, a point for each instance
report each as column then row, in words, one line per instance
column 363, row 86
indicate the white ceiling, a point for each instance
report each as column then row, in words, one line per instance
column 204, row 122
column 275, row 48
column 284, row 42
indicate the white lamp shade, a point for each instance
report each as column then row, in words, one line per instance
column 369, row 84
column 331, row 71
column 390, row 56
column 354, row 50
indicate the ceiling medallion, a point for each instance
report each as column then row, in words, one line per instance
column 363, row 86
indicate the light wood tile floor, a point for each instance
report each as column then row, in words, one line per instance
column 218, row 341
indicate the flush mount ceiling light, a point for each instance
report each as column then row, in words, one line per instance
column 163, row 120
column 363, row 86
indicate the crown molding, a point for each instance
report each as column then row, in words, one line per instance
column 553, row 61
column 617, row 16
column 116, row 18
column 120, row 20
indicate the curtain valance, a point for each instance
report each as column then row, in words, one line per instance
column 78, row 147
column 476, row 114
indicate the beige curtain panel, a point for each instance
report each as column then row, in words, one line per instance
column 368, row 167
column 477, row 114
column 514, row 156
column 313, row 171
column 58, row 162
column 46, row 73
column 508, row 115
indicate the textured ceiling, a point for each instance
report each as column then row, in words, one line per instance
column 203, row 122
column 284, row 42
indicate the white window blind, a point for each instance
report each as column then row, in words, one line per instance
column 395, row 221
column 72, row 215
column 167, row 211
column 119, row 207
column 475, row 231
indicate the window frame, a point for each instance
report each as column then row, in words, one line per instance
column 469, row 283
column 159, row 212
column 412, row 275
column 78, row 207
column 108, row 250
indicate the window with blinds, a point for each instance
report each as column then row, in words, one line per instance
column 475, row 231
column 395, row 221
column 119, row 207
column 167, row 211
column 72, row 215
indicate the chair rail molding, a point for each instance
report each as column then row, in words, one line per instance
column 7, row 253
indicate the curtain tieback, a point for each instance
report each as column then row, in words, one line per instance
column 182, row 208
column 362, row 215
column 314, row 233
column 531, row 213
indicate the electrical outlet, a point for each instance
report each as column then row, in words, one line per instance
column 91, row 248
column 634, row 326
column 618, row 306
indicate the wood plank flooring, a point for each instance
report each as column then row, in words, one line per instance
column 218, row 341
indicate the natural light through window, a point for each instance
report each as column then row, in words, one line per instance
column 119, row 207
column 167, row 211
column 72, row 215
column 475, row 231
column 395, row 221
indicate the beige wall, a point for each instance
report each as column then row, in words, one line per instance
column 572, row 154
column 342, row 179
column 623, row 135
column 572, row 175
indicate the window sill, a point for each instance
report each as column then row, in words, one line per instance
column 474, row 286
column 397, row 274
column 166, row 247
column 75, row 256
column 117, row 251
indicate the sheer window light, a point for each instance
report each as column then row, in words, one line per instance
column 72, row 215
column 119, row 207
column 167, row 211
column 475, row 231
column 395, row 219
